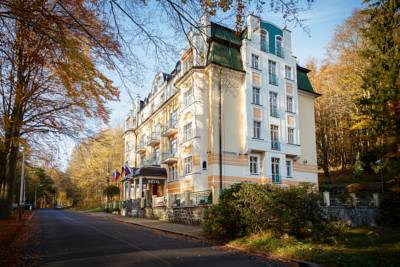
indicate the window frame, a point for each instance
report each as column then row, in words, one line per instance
column 291, row 141
column 256, row 129
column 255, row 61
column 256, row 95
column 289, row 168
column 187, row 165
column 255, row 171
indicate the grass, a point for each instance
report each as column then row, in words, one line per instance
column 366, row 246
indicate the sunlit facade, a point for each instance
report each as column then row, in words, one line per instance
column 236, row 108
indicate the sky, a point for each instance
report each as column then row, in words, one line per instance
column 321, row 20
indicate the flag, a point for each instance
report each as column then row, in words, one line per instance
column 116, row 175
column 127, row 170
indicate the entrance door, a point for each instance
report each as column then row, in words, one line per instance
column 154, row 189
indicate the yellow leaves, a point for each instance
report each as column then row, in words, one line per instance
column 362, row 122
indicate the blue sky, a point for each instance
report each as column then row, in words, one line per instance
column 322, row 20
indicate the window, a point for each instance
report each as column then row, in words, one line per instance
column 253, row 164
column 172, row 146
column 279, row 49
column 273, row 104
column 256, row 79
column 187, row 165
column 156, row 130
column 157, row 155
column 173, row 119
column 256, row 95
column 172, row 173
column 263, row 41
column 254, row 61
column 275, row 137
column 272, row 72
column 289, row 103
column 288, row 168
column 256, row 129
column 275, row 170
column 187, row 97
column 187, row 131
column 290, row 135
column 204, row 165
column 288, row 72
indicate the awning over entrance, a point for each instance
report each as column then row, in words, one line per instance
column 151, row 171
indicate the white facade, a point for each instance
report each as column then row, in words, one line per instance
column 244, row 91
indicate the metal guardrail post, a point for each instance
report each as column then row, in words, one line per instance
column 327, row 201
column 376, row 199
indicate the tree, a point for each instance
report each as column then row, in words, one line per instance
column 339, row 78
column 52, row 54
column 379, row 105
column 92, row 163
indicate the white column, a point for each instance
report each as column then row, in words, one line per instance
column 327, row 201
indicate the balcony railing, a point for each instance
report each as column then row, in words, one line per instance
column 276, row 178
column 200, row 198
column 154, row 139
column 171, row 128
column 169, row 157
column 141, row 147
column 273, row 79
column 275, row 145
column 151, row 161
column 279, row 51
column 274, row 112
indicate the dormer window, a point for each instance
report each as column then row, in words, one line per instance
column 263, row 41
column 279, row 48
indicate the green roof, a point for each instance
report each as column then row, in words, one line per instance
column 303, row 83
column 225, row 34
column 225, row 55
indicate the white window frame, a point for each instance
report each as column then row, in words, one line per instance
column 291, row 140
column 288, row 72
column 187, row 165
column 275, row 167
column 256, row 95
column 257, row 130
column 187, row 131
column 255, row 61
column 264, row 33
column 276, row 44
column 289, row 168
column 253, row 157
column 291, row 109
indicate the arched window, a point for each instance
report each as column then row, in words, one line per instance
column 263, row 41
column 279, row 47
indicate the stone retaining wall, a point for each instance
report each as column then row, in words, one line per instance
column 186, row 215
column 354, row 216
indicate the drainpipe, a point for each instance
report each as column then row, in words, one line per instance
column 220, row 130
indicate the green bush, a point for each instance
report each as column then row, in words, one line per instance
column 251, row 208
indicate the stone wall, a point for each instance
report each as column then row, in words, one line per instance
column 186, row 215
column 354, row 216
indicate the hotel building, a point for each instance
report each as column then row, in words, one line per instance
column 236, row 108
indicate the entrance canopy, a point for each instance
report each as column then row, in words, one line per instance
column 151, row 171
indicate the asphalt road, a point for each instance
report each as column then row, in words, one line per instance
column 75, row 239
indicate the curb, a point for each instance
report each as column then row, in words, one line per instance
column 300, row 263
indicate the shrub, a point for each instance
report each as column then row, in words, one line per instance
column 251, row 208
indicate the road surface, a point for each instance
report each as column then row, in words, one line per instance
column 75, row 239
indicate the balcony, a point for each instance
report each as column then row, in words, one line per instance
column 279, row 51
column 275, row 145
column 274, row 112
column 169, row 157
column 141, row 148
column 154, row 139
column 171, row 128
column 273, row 79
column 151, row 161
